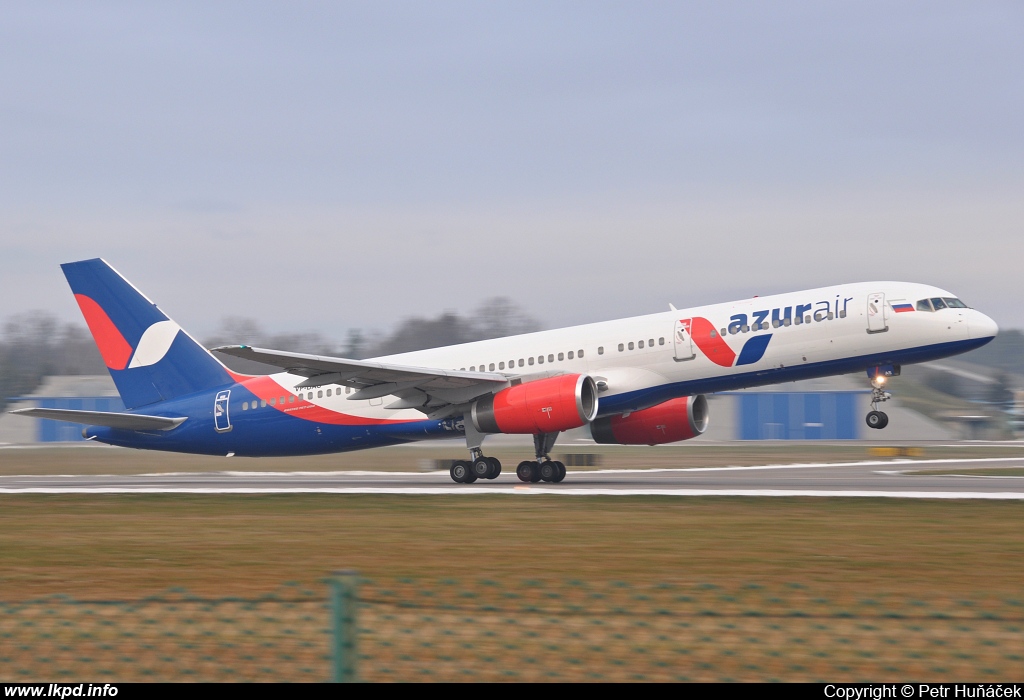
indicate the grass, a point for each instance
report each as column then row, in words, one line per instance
column 128, row 546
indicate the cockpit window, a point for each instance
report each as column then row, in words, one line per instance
column 955, row 303
column 924, row 305
column 938, row 303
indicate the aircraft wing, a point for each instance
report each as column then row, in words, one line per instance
column 419, row 387
column 126, row 421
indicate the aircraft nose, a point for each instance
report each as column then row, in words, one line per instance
column 981, row 326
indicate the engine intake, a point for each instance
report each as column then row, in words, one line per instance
column 671, row 421
column 542, row 406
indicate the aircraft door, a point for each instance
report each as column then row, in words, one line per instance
column 221, row 419
column 683, row 340
column 877, row 317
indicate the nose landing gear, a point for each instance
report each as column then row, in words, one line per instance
column 878, row 419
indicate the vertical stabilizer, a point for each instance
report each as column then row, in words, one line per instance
column 149, row 356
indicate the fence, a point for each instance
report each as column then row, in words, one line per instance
column 532, row 630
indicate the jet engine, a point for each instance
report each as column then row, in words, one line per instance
column 678, row 419
column 542, row 406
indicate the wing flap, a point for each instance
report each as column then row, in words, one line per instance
column 125, row 421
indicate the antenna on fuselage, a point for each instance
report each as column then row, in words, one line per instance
column 672, row 307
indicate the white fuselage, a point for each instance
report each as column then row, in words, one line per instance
column 644, row 360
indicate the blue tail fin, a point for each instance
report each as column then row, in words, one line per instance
column 149, row 356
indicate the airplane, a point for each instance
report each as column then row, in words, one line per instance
column 633, row 381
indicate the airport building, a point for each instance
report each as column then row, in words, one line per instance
column 82, row 393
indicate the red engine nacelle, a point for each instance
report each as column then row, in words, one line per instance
column 542, row 406
column 678, row 419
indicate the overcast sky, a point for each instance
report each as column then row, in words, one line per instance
column 325, row 166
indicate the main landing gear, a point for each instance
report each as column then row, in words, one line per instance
column 480, row 467
column 877, row 419
column 543, row 468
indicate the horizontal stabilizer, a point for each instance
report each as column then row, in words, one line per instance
column 124, row 421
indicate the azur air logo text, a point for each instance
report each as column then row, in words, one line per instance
column 710, row 341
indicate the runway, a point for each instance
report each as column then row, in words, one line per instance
column 879, row 478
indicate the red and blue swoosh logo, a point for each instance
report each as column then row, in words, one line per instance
column 706, row 337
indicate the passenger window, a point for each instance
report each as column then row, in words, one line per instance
column 745, row 329
column 786, row 321
column 938, row 303
column 713, row 334
column 309, row 396
column 722, row 332
column 600, row 350
column 842, row 314
column 819, row 316
column 291, row 399
column 328, row 392
column 799, row 320
column 254, row 405
column 561, row 356
column 631, row 345
column 490, row 367
column 263, row 403
column 641, row 345
column 521, row 362
column 650, row 342
column 551, row 358
column 473, row 368
column 831, row 316
column 501, row 365
column 776, row 323
column 580, row 353
column 245, row 405
column 273, row 400
column 348, row 389
column 570, row 354
column 320, row 394
column 530, row 362
column 661, row 341
column 621, row 347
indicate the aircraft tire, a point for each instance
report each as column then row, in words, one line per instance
column 561, row 472
column 459, row 471
column 526, row 470
column 548, row 471
column 876, row 420
column 495, row 468
column 885, row 419
column 482, row 468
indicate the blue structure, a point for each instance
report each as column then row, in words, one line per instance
column 799, row 415
column 59, row 431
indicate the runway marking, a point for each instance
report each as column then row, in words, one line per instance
column 536, row 490
column 444, row 473
column 955, row 476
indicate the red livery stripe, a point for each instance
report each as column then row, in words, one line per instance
column 266, row 388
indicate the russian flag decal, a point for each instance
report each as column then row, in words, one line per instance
column 901, row 308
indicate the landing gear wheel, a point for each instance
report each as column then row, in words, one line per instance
column 482, row 468
column 561, row 472
column 877, row 420
column 495, row 468
column 528, row 471
column 548, row 470
column 459, row 471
